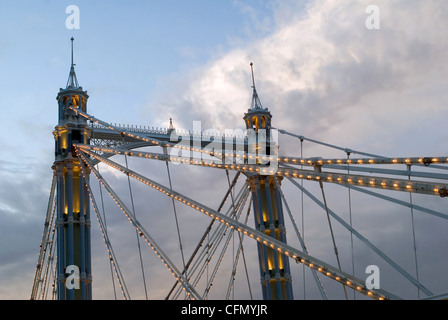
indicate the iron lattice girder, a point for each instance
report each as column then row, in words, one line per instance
column 159, row 136
column 297, row 255
column 329, row 177
column 423, row 187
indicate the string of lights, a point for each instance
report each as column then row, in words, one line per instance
column 299, row 256
column 39, row 283
column 143, row 233
column 112, row 258
column 385, row 183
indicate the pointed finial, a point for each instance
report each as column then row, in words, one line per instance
column 72, row 82
column 72, row 39
column 256, row 103
column 252, row 70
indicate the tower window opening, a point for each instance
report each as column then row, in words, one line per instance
column 263, row 122
column 75, row 101
column 255, row 123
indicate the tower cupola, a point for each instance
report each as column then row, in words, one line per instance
column 257, row 117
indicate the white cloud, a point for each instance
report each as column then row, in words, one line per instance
column 323, row 74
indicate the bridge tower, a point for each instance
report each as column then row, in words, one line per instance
column 267, row 203
column 74, row 273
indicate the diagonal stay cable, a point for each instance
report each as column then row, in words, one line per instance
column 136, row 233
column 240, row 251
column 214, row 241
column 364, row 240
column 175, row 218
column 112, row 257
column 302, row 243
column 241, row 248
column 235, row 215
column 413, row 234
column 299, row 256
column 143, row 232
column 105, row 228
column 44, row 241
column 318, row 169
column 207, row 231
column 417, row 186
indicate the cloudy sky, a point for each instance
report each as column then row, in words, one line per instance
column 321, row 72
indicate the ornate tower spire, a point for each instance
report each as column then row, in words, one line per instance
column 257, row 117
column 275, row 271
column 72, row 81
column 73, row 209
column 256, row 103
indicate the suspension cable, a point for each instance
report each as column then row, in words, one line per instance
column 328, row 144
column 303, row 221
column 44, row 241
column 175, row 217
column 312, row 262
column 302, row 242
column 413, row 233
column 150, row 241
column 207, row 231
column 241, row 205
column 214, row 241
column 136, row 232
column 208, row 253
column 331, row 229
column 351, row 223
column 50, row 260
column 240, row 251
column 105, row 228
column 365, row 241
column 113, row 261
column 239, row 236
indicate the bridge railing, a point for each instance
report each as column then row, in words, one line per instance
column 178, row 132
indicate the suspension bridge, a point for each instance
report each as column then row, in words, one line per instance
column 254, row 210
